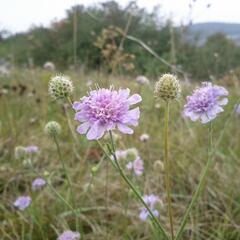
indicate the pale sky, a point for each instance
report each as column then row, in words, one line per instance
column 19, row 15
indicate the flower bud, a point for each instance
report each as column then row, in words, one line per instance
column 53, row 129
column 167, row 88
column 60, row 87
column 158, row 165
column 94, row 170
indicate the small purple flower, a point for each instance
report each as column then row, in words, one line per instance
column 22, row 202
column 144, row 137
column 69, row 235
column 206, row 102
column 151, row 201
column 32, row 149
column 38, row 184
column 106, row 109
column 136, row 166
column 237, row 109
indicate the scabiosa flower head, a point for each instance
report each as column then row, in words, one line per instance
column 20, row 152
column 22, row 202
column 32, row 149
column 142, row 80
column 167, row 88
column 151, row 201
column 38, row 184
column 52, row 129
column 69, row 235
column 136, row 166
column 205, row 103
column 106, row 109
column 144, row 137
column 60, row 87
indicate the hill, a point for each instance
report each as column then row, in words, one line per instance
column 205, row 30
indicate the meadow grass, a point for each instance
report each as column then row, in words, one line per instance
column 109, row 211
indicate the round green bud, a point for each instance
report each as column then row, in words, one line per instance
column 53, row 129
column 60, row 87
column 94, row 169
column 132, row 153
column 167, row 88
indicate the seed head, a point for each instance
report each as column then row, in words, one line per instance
column 167, row 88
column 60, row 87
column 53, row 129
column 20, row 152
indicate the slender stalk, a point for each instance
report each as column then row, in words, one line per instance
column 72, row 130
column 75, row 36
column 68, row 181
column 135, row 191
column 106, row 196
column 200, row 184
column 52, row 189
column 167, row 169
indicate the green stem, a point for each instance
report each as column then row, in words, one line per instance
column 167, row 169
column 135, row 191
column 68, row 181
column 200, row 184
column 53, row 189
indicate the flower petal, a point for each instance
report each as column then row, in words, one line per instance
column 80, row 116
column 223, row 101
column 155, row 213
column 205, row 118
column 77, row 106
column 96, row 131
column 124, row 129
column 83, row 128
column 132, row 117
column 124, row 93
column 135, row 98
column 143, row 215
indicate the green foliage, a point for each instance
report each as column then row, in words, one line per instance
column 22, row 123
column 215, row 57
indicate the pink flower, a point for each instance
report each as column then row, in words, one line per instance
column 151, row 201
column 32, row 149
column 136, row 166
column 22, row 202
column 107, row 109
column 69, row 235
column 38, row 184
column 206, row 103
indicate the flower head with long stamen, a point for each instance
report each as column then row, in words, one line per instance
column 22, row 202
column 38, row 184
column 32, row 149
column 206, row 102
column 69, row 235
column 107, row 109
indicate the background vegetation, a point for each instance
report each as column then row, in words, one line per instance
column 215, row 57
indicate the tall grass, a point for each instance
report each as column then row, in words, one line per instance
column 216, row 216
